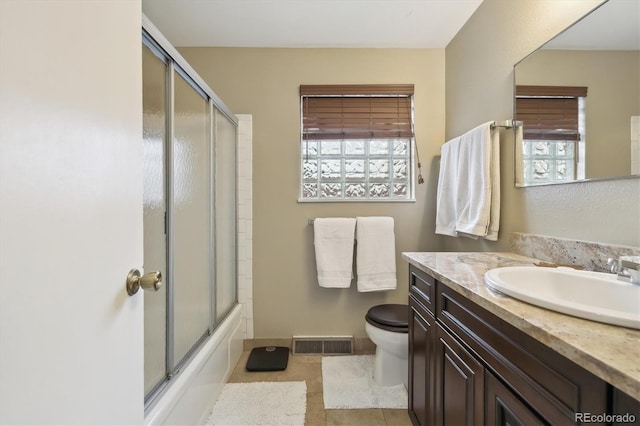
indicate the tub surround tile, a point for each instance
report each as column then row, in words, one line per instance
column 245, row 220
column 590, row 255
column 607, row 351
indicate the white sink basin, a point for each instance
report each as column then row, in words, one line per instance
column 596, row 296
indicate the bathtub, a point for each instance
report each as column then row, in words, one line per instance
column 193, row 391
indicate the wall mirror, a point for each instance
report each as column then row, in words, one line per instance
column 579, row 98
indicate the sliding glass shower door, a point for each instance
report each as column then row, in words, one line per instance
column 225, row 201
column 154, row 101
column 192, row 213
column 189, row 213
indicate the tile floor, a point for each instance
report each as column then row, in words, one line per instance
column 309, row 369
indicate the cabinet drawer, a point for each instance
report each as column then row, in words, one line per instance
column 423, row 287
column 555, row 387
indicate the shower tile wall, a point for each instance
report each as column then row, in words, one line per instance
column 245, row 221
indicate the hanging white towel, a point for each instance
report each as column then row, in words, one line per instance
column 447, row 189
column 375, row 254
column 468, row 200
column 519, row 170
column 494, row 173
column 333, row 240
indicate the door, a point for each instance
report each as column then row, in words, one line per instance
column 504, row 408
column 421, row 341
column 71, row 339
column 459, row 390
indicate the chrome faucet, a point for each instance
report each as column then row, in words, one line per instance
column 627, row 268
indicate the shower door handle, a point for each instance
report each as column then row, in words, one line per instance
column 148, row 281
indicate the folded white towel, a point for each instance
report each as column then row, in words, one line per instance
column 333, row 240
column 375, row 254
column 468, row 200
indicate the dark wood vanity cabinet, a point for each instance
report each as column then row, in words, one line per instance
column 503, row 407
column 422, row 338
column 421, row 351
column 459, row 387
column 469, row 367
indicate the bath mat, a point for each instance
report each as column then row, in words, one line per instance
column 268, row 358
column 260, row 403
column 347, row 382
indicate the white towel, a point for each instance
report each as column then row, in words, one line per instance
column 446, row 215
column 333, row 240
column 376, row 254
column 494, row 173
column 519, row 170
column 468, row 201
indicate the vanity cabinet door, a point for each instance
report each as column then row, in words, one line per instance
column 503, row 408
column 421, row 351
column 625, row 409
column 459, row 390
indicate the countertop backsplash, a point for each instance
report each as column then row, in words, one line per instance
column 590, row 255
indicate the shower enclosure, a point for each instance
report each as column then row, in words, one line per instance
column 189, row 212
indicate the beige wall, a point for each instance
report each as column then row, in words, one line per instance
column 479, row 83
column 613, row 97
column 264, row 82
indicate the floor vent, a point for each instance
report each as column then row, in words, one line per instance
column 323, row 345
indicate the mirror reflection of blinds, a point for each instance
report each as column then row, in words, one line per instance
column 549, row 112
column 356, row 111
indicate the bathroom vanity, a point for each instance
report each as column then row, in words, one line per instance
column 479, row 357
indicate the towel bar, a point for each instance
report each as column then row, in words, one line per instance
column 508, row 124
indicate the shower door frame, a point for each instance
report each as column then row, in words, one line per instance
column 176, row 64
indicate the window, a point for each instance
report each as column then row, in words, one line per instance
column 553, row 132
column 357, row 143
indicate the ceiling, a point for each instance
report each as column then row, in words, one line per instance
column 310, row 23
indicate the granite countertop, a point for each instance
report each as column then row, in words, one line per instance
column 610, row 352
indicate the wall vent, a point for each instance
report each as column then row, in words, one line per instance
column 331, row 345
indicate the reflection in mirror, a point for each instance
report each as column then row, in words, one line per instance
column 579, row 98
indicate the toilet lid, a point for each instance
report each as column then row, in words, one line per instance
column 392, row 315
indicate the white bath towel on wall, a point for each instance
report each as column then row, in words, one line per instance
column 375, row 254
column 447, row 189
column 333, row 240
column 494, row 173
column 468, row 200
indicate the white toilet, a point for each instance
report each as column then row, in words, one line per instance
column 388, row 327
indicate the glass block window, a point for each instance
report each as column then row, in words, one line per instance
column 357, row 143
column 548, row 161
column 553, row 133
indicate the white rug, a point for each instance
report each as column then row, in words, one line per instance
column 260, row 403
column 347, row 382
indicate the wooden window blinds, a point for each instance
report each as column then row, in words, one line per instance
column 370, row 111
column 549, row 112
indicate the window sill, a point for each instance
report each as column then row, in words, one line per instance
column 359, row 200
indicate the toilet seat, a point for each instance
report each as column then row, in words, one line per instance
column 390, row 317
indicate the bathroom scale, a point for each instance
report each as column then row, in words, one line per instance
column 268, row 358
